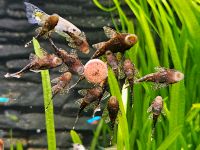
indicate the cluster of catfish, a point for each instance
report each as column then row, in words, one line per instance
column 118, row 42
column 77, row 39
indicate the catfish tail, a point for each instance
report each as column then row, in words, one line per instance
column 19, row 73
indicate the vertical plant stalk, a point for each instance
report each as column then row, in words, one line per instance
column 49, row 115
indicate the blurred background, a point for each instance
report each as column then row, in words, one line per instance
column 23, row 119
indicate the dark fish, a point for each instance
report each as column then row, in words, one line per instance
column 119, row 42
column 113, row 108
column 78, row 42
column 61, row 82
column 71, row 60
column 47, row 61
column 112, row 62
column 61, row 85
column 129, row 70
column 156, row 109
column 90, row 96
column 163, row 76
column 51, row 23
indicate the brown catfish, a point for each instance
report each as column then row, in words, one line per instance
column 71, row 60
column 47, row 61
column 50, row 21
column 129, row 70
column 119, row 42
column 113, row 108
column 156, row 109
column 61, row 85
column 112, row 62
column 90, row 96
column 163, row 76
column 78, row 42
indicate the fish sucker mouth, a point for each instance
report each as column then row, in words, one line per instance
column 131, row 39
column 178, row 76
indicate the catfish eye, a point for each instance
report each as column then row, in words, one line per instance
column 74, row 30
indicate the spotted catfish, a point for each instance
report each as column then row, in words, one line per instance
column 55, row 23
column 163, row 76
column 130, row 72
column 90, row 95
column 71, row 60
column 47, row 61
column 156, row 109
column 118, row 42
column 62, row 85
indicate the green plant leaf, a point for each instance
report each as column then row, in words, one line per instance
column 75, row 137
column 49, row 115
column 170, row 138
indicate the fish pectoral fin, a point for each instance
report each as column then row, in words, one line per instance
column 68, row 38
column 98, row 45
column 35, row 71
column 74, row 53
column 79, row 101
column 109, row 32
column 83, row 35
column 63, row 68
column 55, row 80
column 72, row 45
column 82, row 92
column 44, row 52
column 159, row 69
column 32, row 57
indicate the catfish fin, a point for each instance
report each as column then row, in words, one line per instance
column 74, row 52
column 109, row 32
column 33, row 12
column 72, row 45
column 159, row 69
column 98, row 45
column 32, row 57
column 63, row 68
column 83, row 35
column 14, row 75
column 82, row 92
column 55, row 80
column 68, row 38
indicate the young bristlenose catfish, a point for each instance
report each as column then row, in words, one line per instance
column 47, row 61
column 113, row 109
column 51, row 23
column 78, row 42
column 74, row 64
column 61, row 85
column 163, row 76
column 156, row 109
column 118, row 42
column 130, row 71
column 90, row 95
column 113, row 62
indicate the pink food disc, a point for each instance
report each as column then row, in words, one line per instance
column 95, row 71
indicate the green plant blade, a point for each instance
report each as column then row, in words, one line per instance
column 170, row 138
column 75, row 137
column 123, row 125
column 49, row 115
column 96, row 135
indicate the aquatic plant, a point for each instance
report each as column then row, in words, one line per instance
column 168, row 42
column 165, row 30
column 49, row 115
